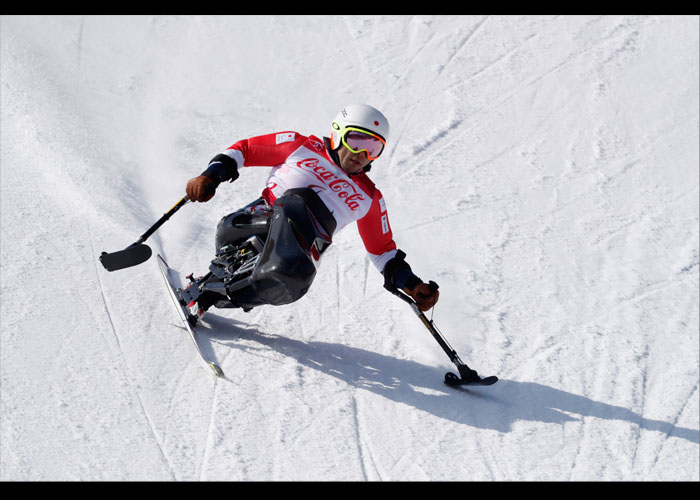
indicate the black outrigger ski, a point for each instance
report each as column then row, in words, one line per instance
column 184, row 315
column 466, row 376
column 138, row 252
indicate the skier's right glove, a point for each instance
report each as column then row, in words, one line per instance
column 201, row 188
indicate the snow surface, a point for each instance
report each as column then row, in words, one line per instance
column 543, row 170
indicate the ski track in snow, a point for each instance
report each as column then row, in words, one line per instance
column 542, row 169
column 492, row 107
column 363, row 451
column 460, row 47
column 118, row 341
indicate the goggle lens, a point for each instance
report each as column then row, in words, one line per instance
column 358, row 141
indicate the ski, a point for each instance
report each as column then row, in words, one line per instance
column 187, row 319
column 454, row 380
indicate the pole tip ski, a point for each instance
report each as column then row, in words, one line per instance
column 454, row 380
column 130, row 256
column 467, row 376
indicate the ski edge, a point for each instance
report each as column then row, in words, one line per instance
column 164, row 268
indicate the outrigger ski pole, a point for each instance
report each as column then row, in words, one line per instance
column 137, row 252
column 467, row 376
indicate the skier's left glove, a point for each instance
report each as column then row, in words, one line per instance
column 424, row 295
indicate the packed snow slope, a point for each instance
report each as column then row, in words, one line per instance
column 543, row 170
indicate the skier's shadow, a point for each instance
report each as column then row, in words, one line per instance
column 421, row 386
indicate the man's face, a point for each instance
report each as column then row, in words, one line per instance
column 352, row 162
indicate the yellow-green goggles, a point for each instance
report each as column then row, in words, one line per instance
column 358, row 140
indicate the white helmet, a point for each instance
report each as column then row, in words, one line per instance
column 361, row 116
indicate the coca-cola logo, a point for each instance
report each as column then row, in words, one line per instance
column 344, row 189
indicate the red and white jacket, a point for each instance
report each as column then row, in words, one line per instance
column 300, row 161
